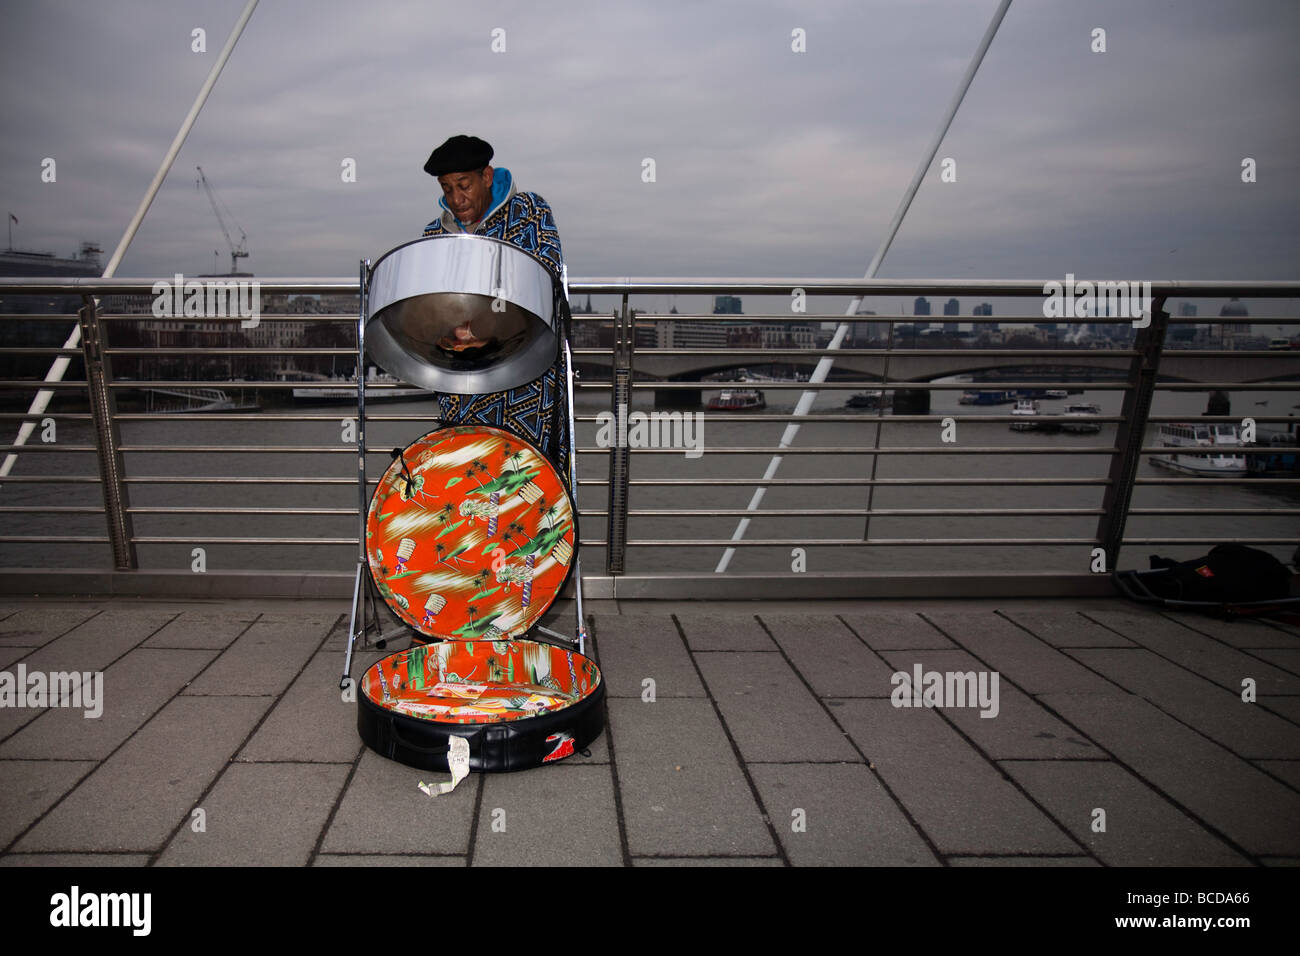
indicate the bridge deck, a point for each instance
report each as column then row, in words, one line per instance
column 1120, row 738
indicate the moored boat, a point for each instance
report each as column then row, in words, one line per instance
column 986, row 397
column 1026, row 411
column 1081, row 417
column 1207, row 450
column 870, row 399
column 737, row 399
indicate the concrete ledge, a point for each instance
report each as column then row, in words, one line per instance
column 316, row 585
column 336, row 585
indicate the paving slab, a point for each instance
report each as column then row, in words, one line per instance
column 204, row 628
column 710, row 861
column 959, row 799
column 1288, row 707
column 75, row 860
column 13, row 653
column 292, row 802
column 1066, row 628
column 1288, row 770
column 98, row 642
column 837, row 815
column 1034, row 861
column 140, row 794
column 829, row 656
column 1287, row 658
column 682, row 791
column 265, row 659
column 770, row 713
column 133, row 689
column 1022, row 727
column 1250, row 808
column 1239, row 633
column 1212, row 659
column 369, row 859
column 731, row 632
column 889, row 630
column 1245, row 729
column 633, row 649
column 30, row 787
column 312, row 721
column 1032, row 665
column 548, row 816
column 1141, row 827
column 383, row 811
column 37, row 626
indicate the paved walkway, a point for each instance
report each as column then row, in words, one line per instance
column 737, row 734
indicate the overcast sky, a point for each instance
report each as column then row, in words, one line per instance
column 1124, row 164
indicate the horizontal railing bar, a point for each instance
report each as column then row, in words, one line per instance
column 61, row 416
column 38, row 384
column 884, row 450
column 647, row 320
column 54, row 539
column 741, row 352
column 862, row 512
column 226, row 383
column 272, row 417
column 1214, row 511
column 195, row 539
column 51, row 509
column 349, row 285
column 817, row 482
column 864, row 385
column 146, row 510
column 49, row 447
column 233, row 480
column 50, row 479
column 1248, row 480
column 222, row 350
column 852, row 542
column 1177, row 541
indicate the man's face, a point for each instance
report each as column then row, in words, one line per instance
column 468, row 194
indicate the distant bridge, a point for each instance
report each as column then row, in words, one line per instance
column 927, row 365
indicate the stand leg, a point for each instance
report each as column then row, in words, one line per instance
column 581, row 630
column 357, row 606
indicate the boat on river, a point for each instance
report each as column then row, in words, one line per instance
column 1204, row 449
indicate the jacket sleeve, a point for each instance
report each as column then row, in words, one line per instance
column 548, row 237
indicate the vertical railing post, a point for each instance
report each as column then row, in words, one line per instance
column 108, row 441
column 620, row 401
column 1143, row 370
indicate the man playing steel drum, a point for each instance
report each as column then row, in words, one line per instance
column 482, row 200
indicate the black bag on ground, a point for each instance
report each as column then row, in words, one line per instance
column 1229, row 574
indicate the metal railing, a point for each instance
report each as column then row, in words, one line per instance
column 286, row 500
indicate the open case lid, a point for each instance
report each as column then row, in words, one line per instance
column 462, row 314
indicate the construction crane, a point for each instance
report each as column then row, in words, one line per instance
column 237, row 252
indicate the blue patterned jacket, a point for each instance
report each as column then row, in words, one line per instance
column 521, row 219
column 534, row 410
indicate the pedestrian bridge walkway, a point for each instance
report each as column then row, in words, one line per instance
column 758, row 733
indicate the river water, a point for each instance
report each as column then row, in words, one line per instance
column 327, row 429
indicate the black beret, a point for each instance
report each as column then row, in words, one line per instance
column 460, row 154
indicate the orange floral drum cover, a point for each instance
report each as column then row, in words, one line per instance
column 470, row 534
column 465, row 682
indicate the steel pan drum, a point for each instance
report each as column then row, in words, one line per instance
column 517, row 704
column 462, row 314
column 470, row 534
